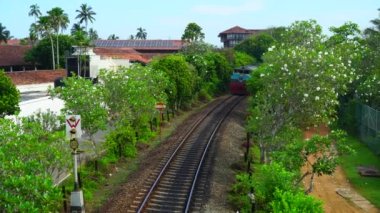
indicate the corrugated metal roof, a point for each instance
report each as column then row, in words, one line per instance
column 140, row 44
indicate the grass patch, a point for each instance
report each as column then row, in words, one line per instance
column 366, row 186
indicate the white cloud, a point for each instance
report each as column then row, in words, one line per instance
column 247, row 6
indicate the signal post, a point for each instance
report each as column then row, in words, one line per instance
column 73, row 132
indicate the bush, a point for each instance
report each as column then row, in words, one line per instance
column 121, row 141
column 9, row 96
column 238, row 196
column 269, row 178
column 288, row 202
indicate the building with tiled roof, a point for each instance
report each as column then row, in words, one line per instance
column 110, row 54
column 235, row 35
column 12, row 58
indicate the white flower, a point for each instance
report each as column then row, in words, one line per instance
column 306, row 95
column 316, row 75
column 318, row 88
column 316, row 98
column 262, row 75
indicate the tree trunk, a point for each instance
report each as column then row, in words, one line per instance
column 262, row 153
column 52, row 51
column 311, row 185
column 303, row 177
column 57, row 51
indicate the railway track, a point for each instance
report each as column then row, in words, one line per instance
column 171, row 188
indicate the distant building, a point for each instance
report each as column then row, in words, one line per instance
column 146, row 48
column 110, row 54
column 235, row 35
column 12, row 58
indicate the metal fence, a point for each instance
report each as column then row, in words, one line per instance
column 368, row 121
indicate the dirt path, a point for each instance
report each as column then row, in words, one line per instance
column 326, row 188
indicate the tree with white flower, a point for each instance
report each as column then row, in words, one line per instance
column 297, row 87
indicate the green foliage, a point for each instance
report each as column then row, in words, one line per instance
column 267, row 179
column 300, row 82
column 29, row 156
column 9, row 96
column 256, row 45
column 122, row 94
column 182, row 78
column 193, row 32
column 5, row 35
column 121, row 141
column 212, row 67
column 83, row 98
column 369, row 92
column 287, row 202
column 41, row 53
column 239, row 193
column 243, row 59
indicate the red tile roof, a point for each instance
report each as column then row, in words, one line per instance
column 121, row 53
column 11, row 42
column 13, row 54
column 238, row 29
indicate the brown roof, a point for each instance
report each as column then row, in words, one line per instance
column 11, row 55
column 238, row 29
column 121, row 53
column 11, row 42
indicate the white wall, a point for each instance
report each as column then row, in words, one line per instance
column 97, row 63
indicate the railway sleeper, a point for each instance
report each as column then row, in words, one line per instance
column 170, row 195
column 177, row 181
column 160, row 209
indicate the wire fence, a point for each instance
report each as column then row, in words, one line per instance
column 368, row 121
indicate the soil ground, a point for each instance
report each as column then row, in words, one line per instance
column 326, row 187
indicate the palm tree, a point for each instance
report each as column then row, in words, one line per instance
column 141, row 33
column 131, row 37
column 35, row 11
column 113, row 37
column 4, row 34
column 59, row 21
column 76, row 27
column 92, row 34
column 85, row 14
column 46, row 29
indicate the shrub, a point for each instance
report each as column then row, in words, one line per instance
column 9, row 96
column 288, row 202
column 269, row 178
column 121, row 141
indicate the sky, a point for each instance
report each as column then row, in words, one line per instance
column 167, row 19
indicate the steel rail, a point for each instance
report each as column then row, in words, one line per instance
column 190, row 195
column 154, row 185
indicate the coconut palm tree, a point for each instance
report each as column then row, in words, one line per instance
column 113, row 37
column 86, row 14
column 131, row 37
column 4, row 34
column 46, row 29
column 35, row 11
column 92, row 34
column 59, row 21
column 33, row 33
column 75, row 28
column 141, row 33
